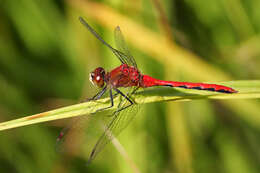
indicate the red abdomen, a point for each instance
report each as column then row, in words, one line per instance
column 148, row 81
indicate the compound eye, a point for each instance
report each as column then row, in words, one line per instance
column 98, row 78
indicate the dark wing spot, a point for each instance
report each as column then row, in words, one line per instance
column 197, row 88
column 210, row 89
column 223, row 91
column 183, row 86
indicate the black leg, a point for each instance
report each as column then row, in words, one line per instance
column 135, row 90
column 127, row 98
column 114, row 95
column 112, row 102
column 98, row 95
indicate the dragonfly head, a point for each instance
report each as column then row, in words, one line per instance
column 97, row 77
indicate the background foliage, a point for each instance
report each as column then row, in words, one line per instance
column 46, row 55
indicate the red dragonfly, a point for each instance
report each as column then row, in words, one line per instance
column 126, row 75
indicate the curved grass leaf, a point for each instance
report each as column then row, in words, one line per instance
column 246, row 90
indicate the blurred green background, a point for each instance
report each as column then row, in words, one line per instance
column 46, row 55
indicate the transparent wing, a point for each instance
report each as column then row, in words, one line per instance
column 122, row 47
column 82, row 134
column 94, row 131
column 120, row 55
column 117, row 124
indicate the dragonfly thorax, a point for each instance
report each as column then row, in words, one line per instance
column 97, row 77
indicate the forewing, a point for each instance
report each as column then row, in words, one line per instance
column 123, row 48
column 119, row 122
column 90, row 133
column 121, row 56
column 82, row 133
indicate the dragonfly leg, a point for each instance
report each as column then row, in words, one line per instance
column 126, row 97
column 112, row 102
column 135, row 90
column 115, row 95
column 98, row 95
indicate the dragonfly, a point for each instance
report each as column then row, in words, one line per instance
column 127, row 75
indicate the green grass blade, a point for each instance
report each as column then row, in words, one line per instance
column 246, row 90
